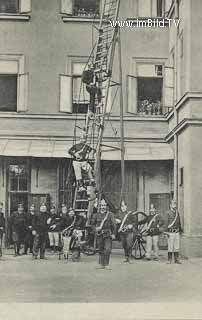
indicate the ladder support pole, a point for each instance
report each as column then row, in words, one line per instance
column 121, row 119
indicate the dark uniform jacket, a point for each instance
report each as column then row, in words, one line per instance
column 65, row 221
column 109, row 226
column 88, row 76
column 130, row 220
column 156, row 226
column 29, row 222
column 55, row 219
column 80, row 151
column 170, row 217
column 18, row 222
column 40, row 222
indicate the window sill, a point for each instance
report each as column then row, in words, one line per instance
column 6, row 16
column 79, row 19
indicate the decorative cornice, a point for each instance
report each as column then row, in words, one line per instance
column 182, row 125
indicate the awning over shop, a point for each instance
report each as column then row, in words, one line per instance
column 59, row 149
column 34, row 148
column 139, row 151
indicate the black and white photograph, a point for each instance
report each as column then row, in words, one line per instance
column 100, row 159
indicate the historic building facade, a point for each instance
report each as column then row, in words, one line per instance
column 44, row 47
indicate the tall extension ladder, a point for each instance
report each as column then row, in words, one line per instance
column 102, row 63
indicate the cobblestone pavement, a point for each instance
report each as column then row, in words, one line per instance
column 53, row 280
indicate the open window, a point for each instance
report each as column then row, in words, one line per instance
column 74, row 97
column 13, row 85
column 81, row 8
column 15, row 6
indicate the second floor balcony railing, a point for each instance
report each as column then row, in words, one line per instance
column 146, row 108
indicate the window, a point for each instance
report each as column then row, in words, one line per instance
column 9, row 6
column 81, row 8
column 74, row 97
column 13, row 84
column 150, row 8
column 8, row 92
column 80, row 95
column 66, row 183
column 18, row 177
column 15, row 6
column 150, row 92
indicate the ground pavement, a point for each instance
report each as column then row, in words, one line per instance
column 25, row 280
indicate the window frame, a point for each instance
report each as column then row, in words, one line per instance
column 134, row 74
column 67, row 7
column 24, row 9
column 64, row 101
column 22, row 80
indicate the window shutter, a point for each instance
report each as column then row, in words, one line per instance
column 169, row 87
column 24, row 6
column 22, row 94
column 65, row 93
column 67, row 7
column 132, row 94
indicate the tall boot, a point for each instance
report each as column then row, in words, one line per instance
column 15, row 249
column 25, row 249
column 170, row 257
column 18, row 249
column 106, row 261
column 101, row 261
column 176, row 257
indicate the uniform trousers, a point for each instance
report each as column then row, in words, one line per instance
column 105, row 247
column 66, row 245
column 152, row 241
column 17, row 237
column 53, row 239
column 39, row 244
column 28, row 241
column 82, row 165
column 173, row 241
column 127, row 243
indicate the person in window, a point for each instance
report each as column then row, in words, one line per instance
column 126, row 230
column 173, row 229
column 40, row 232
column 28, row 241
column 91, row 81
column 80, row 153
column 105, row 227
column 17, row 223
column 2, row 226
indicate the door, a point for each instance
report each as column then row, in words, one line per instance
column 161, row 202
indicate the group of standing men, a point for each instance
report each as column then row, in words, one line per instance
column 33, row 228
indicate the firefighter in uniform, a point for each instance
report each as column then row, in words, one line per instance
column 105, row 227
column 154, row 226
column 173, row 230
column 40, row 232
column 17, row 222
column 126, row 230
column 80, row 153
column 28, row 241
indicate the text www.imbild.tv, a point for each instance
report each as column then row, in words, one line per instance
column 146, row 23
